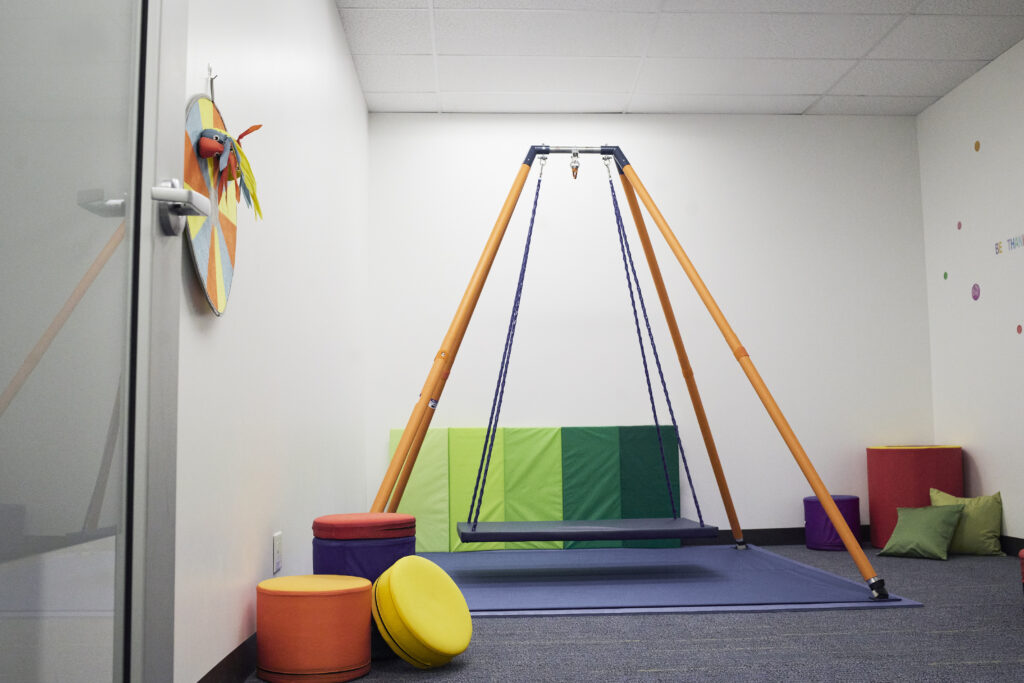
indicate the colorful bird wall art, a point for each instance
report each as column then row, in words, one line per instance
column 213, row 160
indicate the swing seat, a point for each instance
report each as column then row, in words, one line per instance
column 586, row 530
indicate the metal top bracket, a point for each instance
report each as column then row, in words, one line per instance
column 608, row 150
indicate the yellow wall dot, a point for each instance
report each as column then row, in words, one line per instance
column 977, row 145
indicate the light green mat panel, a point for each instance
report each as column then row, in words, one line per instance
column 539, row 474
column 591, row 486
column 426, row 496
column 464, row 448
column 533, row 478
column 643, row 477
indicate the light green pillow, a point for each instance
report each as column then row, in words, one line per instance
column 923, row 532
column 980, row 523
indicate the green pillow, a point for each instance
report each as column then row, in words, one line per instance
column 980, row 523
column 923, row 532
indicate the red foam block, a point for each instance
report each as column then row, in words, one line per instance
column 364, row 525
column 900, row 476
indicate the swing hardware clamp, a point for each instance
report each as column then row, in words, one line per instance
column 607, row 150
column 877, row 587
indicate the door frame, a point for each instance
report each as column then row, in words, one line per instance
column 145, row 604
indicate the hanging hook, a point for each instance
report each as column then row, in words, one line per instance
column 543, row 160
column 608, row 165
column 209, row 79
column 574, row 163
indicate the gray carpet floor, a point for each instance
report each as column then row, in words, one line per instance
column 971, row 628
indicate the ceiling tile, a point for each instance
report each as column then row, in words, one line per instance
column 871, row 106
column 819, row 6
column 395, row 73
column 534, row 103
column 587, row 5
column 566, row 34
column 647, row 103
column 741, row 76
column 793, row 36
column 390, row 32
column 882, row 57
column 950, row 37
column 402, row 102
column 382, row 4
column 905, row 77
column 538, row 74
column 981, row 7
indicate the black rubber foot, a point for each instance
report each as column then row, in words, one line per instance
column 878, row 591
column 741, row 544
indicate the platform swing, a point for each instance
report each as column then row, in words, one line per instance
column 397, row 476
column 576, row 530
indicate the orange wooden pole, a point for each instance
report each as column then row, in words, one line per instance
column 423, row 412
column 802, row 461
column 684, row 361
column 414, row 448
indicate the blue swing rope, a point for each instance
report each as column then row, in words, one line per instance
column 631, row 279
column 499, row 391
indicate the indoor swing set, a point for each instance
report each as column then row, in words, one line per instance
column 397, row 476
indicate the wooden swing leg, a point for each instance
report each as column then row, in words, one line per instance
column 684, row 362
column 405, row 454
column 875, row 583
column 414, row 448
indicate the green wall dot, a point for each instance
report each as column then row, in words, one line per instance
column 945, row 276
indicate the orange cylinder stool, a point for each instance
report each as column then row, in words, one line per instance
column 313, row 628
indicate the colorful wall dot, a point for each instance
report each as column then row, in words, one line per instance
column 1020, row 329
column 945, row 276
column 959, row 225
column 975, row 291
column 977, row 145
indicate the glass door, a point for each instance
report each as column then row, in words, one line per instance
column 71, row 176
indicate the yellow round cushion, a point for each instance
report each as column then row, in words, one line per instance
column 421, row 613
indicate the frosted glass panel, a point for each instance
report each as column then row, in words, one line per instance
column 66, row 90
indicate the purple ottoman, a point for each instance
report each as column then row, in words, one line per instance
column 818, row 529
column 363, row 545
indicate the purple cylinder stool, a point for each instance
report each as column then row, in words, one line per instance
column 818, row 528
column 364, row 545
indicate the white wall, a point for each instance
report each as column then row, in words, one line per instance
column 977, row 371
column 270, row 432
column 807, row 231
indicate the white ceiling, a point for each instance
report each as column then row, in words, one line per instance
column 869, row 57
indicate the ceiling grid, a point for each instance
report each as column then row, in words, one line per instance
column 859, row 57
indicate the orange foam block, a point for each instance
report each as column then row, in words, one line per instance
column 313, row 628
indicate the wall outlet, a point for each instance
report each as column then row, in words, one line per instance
column 277, row 551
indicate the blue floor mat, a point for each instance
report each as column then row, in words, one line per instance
column 608, row 580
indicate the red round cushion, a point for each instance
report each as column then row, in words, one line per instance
column 364, row 525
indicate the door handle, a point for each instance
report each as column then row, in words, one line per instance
column 177, row 202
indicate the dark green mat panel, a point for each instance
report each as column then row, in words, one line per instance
column 533, row 478
column 464, row 448
column 591, row 485
column 643, row 477
column 426, row 495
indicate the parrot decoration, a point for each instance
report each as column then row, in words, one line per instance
column 232, row 164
